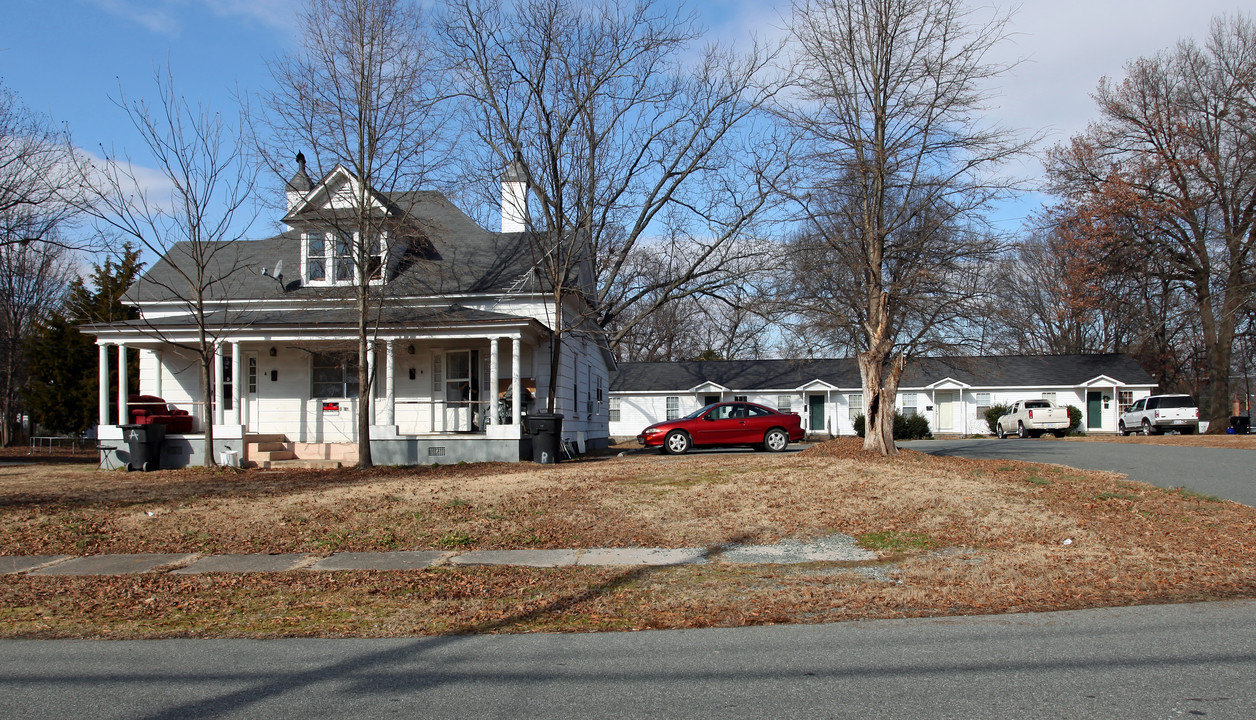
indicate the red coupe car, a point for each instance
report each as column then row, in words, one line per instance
column 725, row 424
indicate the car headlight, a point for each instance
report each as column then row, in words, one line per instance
column 650, row 431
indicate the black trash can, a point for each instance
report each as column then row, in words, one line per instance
column 144, row 443
column 547, row 434
column 1242, row 424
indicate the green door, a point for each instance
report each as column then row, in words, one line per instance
column 1094, row 410
column 815, row 409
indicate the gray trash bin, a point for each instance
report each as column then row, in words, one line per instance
column 144, row 444
column 547, row 433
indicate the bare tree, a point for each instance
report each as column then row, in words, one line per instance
column 720, row 319
column 34, row 278
column 890, row 95
column 362, row 92
column 626, row 140
column 1171, row 163
column 39, row 186
column 195, row 229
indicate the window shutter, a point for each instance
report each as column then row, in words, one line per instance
column 436, row 375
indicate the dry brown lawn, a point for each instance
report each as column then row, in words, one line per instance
column 954, row 536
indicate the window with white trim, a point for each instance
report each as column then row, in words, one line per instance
column 673, row 407
column 1124, row 398
column 330, row 258
column 614, row 409
column 334, row 375
column 855, row 402
column 908, row 406
column 740, row 398
column 983, row 402
column 1050, row 397
column 784, row 403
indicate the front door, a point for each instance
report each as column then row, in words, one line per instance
column 946, row 411
column 252, row 407
column 1094, row 410
column 710, row 400
column 461, row 390
column 815, row 413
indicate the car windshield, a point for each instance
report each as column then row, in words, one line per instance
column 1177, row 401
column 697, row 413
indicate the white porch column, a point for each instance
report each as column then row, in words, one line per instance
column 237, row 383
column 103, row 395
column 390, row 387
column 516, row 390
column 494, row 367
column 123, row 417
column 218, row 393
column 157, row 375
column 368, row 399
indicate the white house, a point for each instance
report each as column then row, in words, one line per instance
column 952, row 393
column 465, row 320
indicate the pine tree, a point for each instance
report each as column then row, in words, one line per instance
column 61, row 394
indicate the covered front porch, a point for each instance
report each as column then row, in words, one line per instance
column 437, row 395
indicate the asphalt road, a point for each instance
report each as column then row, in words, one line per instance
column 1225, row 473
column 1144, row 662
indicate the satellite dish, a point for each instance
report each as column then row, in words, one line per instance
column 277, row 274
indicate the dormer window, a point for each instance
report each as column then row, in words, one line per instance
column 328, row 258
column 315, row 258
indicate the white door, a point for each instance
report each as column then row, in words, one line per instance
column 252, row 409
column 946, row 411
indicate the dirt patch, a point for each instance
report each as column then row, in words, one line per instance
column 952, row 536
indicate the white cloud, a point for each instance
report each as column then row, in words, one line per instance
column 159, row 17
column 167, row 17
column 279, row 14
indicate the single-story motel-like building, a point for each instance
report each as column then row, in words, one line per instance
column 952, row 393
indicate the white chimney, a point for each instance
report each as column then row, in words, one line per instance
column 515, row 196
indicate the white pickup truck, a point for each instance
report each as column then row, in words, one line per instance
column 1153, row 415
column 1031, row 418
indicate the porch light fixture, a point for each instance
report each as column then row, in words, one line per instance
column 273, row 351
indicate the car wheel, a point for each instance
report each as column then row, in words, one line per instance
column 998, row 431
column 1020, row 430
column 676, row 443
column 1120, row 425
column 775, row 440
column 1147, row 427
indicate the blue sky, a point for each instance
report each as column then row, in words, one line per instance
column 66, row 58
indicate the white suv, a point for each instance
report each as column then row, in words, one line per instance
column 1153, row 415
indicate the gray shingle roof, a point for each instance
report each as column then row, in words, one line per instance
column 330, row 319
column 452, row 255
column 981, row 371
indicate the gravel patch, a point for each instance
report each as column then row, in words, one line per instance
column 833, row 548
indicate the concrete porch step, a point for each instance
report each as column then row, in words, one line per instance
column 297, row 463
column 271, row 455
column 259, row 438
column 269, row 446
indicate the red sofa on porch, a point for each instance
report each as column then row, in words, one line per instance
column 152, row 410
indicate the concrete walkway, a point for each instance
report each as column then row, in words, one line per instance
column 834, row 548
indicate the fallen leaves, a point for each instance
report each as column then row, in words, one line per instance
column 959, row 537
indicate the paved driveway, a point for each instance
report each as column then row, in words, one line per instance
column 1222, row 472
